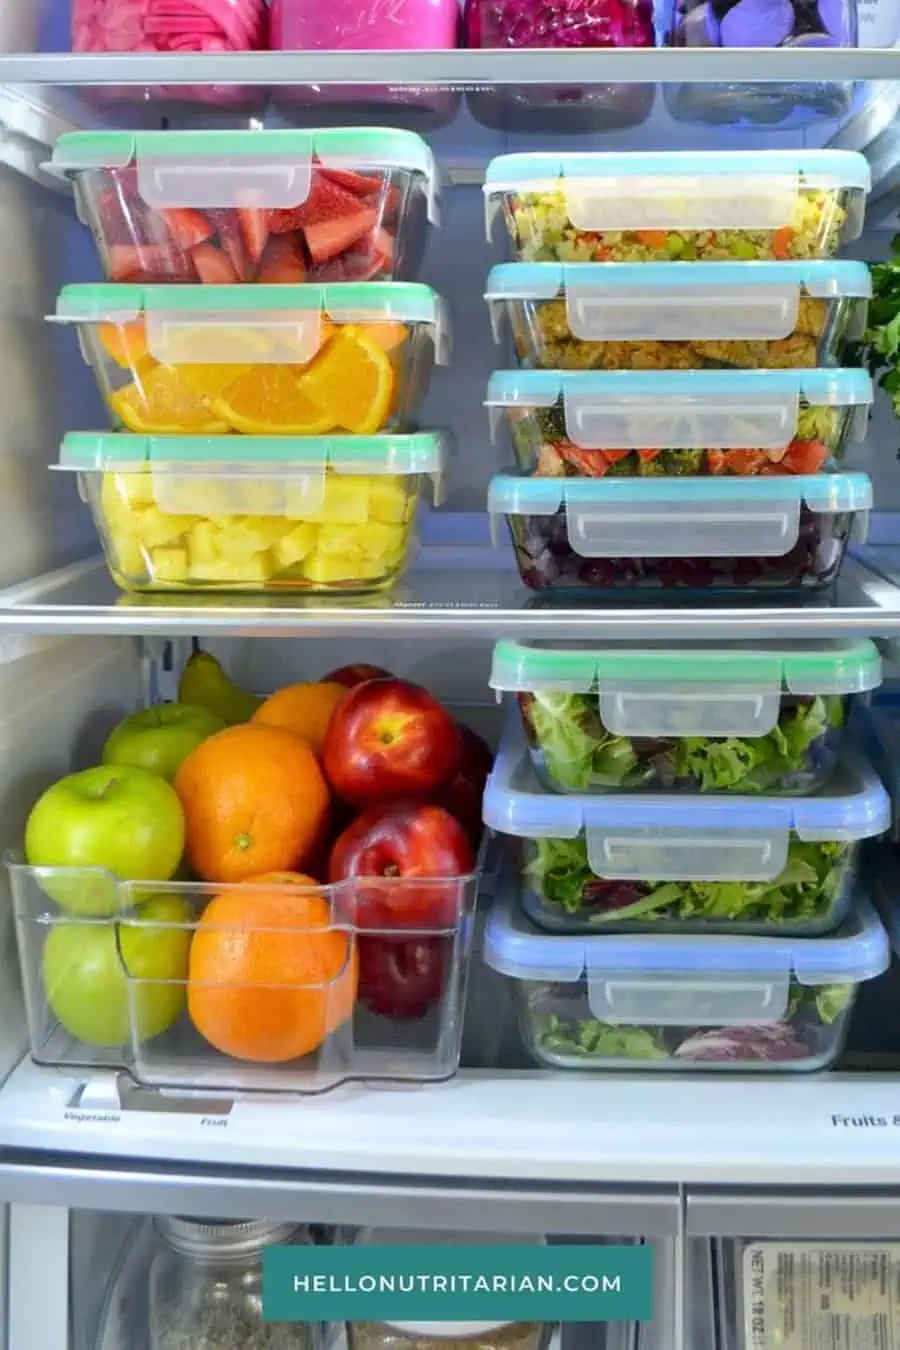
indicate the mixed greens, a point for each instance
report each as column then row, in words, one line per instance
column 882, row 340
column 558, row 874
column 578, row 754
column 803, row 1033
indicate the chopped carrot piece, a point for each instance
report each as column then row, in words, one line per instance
column 781, row 242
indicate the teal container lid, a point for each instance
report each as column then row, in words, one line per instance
column 543, row 388
column 824, row 168
column 805, row 667
column 825, row 279
column 100, row 452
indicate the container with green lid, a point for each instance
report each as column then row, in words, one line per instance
column 218, row 207
column 705, row 717
column 348, row 357
column 323, row 514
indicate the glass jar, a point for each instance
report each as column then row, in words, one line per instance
column 205, row 1287
column 448, row 1335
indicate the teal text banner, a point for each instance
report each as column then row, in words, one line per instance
column 481, row 1283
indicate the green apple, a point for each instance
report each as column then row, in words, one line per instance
column 116, row 817
column 85, row 976
column 159, row 738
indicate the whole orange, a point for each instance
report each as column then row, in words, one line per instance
column 268, row 979
column 254, row 801
column 302, row 708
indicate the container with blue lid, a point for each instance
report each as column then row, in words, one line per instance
column 766, row 1004
column 658, row 206
column 678, row 315
column 786, row 533
column 637, row 423
column 683, row 862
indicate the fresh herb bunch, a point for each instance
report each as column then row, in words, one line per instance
column 881, row 345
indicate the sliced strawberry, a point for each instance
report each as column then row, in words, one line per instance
column 326, row 201
column 231, row 241
column 214, row 267
column 281, row 262
column 357, row 183
column 254, row 226
column 328, row 238
column 148, row 262
column 336, row 270
column 187, row 228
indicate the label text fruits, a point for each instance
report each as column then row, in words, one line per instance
column 389, row 740
column 159, row 738
column 116, row 817
column 269, row 979
column 254, row 801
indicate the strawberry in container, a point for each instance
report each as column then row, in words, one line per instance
column 225, row 207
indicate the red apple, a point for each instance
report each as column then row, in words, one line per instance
column 463, row 795
column 351, row 676
column 410, row 855
column 387, row 741
column 401, row 978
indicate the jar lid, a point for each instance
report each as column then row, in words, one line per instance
column 447, row 1330
column 222, row 1237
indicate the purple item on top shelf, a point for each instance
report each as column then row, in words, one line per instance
column 763, row 23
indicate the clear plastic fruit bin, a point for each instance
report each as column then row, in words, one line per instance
column 713, row 1004
column 275, row 207
column 699, row 717
column 264, row 360
column 786, row 534
column 679, row 862
column 670, row 206
column 210, row 513
column 680, row 316
column 135, row 977
column 623, row 423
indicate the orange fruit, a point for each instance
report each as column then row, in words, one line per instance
column 126, row 343
column 254, row 800
column 387, row 336
column 304, row 709
column 267, row 400
column 209, row 379
column 352, row 381
column 159, row 400
column 268, row 979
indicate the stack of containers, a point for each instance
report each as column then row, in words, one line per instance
column 681, row 407
column 264, row 432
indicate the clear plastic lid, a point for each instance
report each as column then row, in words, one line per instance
column 681, row 836
column 238, row 325
column 683, row 517
column 681, row 409
column 662, row 301
column 669, row 980
column 691, row 190
column 242, row 168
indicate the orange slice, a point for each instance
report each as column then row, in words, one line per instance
column 387, row 336
column 353, row 381
column 268, row 400
column 126, row 343
column 211, row 380
column 160, row 401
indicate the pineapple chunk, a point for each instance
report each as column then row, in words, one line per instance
column 294, row 547
column 204, row 544
column 390, row 501
column 325, row 569
column 304, row 497
column 346, row 499
column 134, row 488
column 339, row 540
column 244, row 539
column 378, row 541
column 253, row 570
column 129, row 558
column 155, row 528
column 169, row 564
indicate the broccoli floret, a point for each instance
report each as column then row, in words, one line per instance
column 652, row 468
column 552, row 422
column 626, row 467
column 681, row 463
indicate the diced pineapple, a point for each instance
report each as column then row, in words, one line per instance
column 338, row 540
column 378, row 541
column 294, row 547
column 390, row 500
column 204, row 544
column 346, row 499
column 325, row 569
column 155, row 528
column 169, row 564
column 227, row 495
column 130, row 558
column 188, row 494
column 241, row 541
column 253, row 570
column 135, row 488
column 304, row 496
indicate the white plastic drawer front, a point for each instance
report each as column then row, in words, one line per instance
column 670, row 998
column 623, row 529
column 654, row 312
column 686, row 201
column 239, row 180
column 681, row 854
column 681, row 422
column 640, row 708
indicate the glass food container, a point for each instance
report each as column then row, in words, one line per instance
column 261, row 360
column 678, row 206
column 701, row 717
column 763, row 534
column 680, row 316
column 205, row 1286
column 650, row 424
column 268, row 206
column 671, row 1003
column 251, row 513
column 669, row 862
